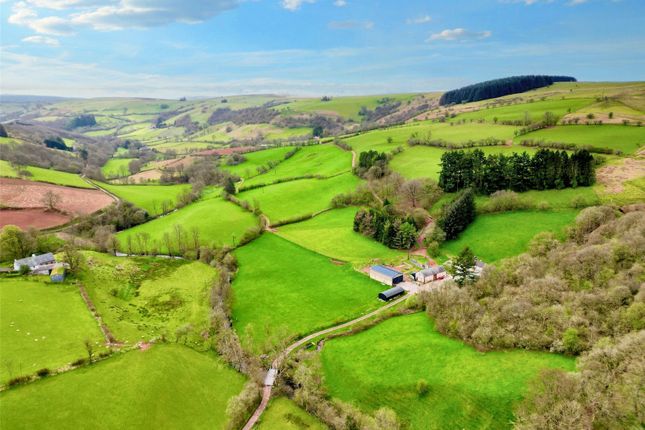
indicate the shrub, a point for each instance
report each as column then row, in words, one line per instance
column 19, row 380
column 504, row 201
column 79, row 362
column 422, row 387
column 43, row 372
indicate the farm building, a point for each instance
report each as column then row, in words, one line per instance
column 36, row 263
column 430, row 274
column 58, row 273
column 390, row 294
column 386, row 275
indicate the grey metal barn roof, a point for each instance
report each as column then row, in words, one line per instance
column 36, row 260
column 386, row 271
column 392, row 292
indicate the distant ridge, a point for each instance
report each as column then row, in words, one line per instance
column 500, row 87
column 17, row 98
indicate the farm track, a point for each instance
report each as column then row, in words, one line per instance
column 275, row 365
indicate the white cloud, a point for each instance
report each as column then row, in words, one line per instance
column 151, row 13
column 42, row 40
column 351, row 25
column 457, row 34
column 22, row 14
column 424, row 19
column 67, row 4
column 295, row 4
column 340, row 3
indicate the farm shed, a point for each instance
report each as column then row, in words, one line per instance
column 388, row 295
column 430, row 274
column 386, row 275
column 35, row 262
column 58, row 273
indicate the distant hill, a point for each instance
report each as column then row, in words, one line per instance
column 500, row 87
column 17, row 98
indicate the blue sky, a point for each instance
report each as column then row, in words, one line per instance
column 172, row 48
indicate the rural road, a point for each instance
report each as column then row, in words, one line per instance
column 266, row 392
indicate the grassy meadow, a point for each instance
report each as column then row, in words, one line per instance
column 467, row 389
column 624, row 138
column 283, row 290
column 165, row 387
column 324, row 160
column 148, row 197
column 39, row 174
column 534, row 110
column 284, row 414
column 331, row 234
column 116, row 167
column 145, row 298
column 35, row 333
column 493, row 237
column 347, row 107
column 248, row 168
column 296, row 198
column 218, row 222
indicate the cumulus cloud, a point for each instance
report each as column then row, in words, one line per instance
column 351, row 25
column 22, row 14
column 295, row 4
column 340, row 3
column 459, row 34
column 42, row 40
column 424, row 19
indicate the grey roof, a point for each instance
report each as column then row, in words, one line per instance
column 36, row 260
column 432, row 271
column 392, row 292
column 386, row 271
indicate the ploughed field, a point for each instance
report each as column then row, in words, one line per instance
column 21, row 194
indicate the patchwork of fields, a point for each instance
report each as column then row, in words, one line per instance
column 305, row 272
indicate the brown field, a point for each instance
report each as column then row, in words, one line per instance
column 20, row 194
column 32, row 218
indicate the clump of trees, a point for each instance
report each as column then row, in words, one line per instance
column 500, row 87
column 390, row 229
column 546, row 169
column 16, row 243
column 458, row 214
column 85, row 120
column 56, row 143
column 372, row 164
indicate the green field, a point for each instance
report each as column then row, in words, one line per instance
column 44, row 175
column 165, row 387
column 347, row 107
column 218, row 222
column 116, row 167
column 324, row 160
column 302, row 197
column 493, row 237
column 145, row 298
column 256, row 159
column 535, row 110
column 42, row 325
column 284, row 414
column 378, row 139
column 148, row 197
column 467, row 389
column 331, row 234
column 283, row 290
column 627, row 139
column 425, row 161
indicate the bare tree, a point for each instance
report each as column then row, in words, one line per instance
column 51, row 200
column 412, row 192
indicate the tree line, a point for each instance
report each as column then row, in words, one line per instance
column 500, row 87
column 544, row 170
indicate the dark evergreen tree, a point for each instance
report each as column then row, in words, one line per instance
column 500, row 87
column 458, row 214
